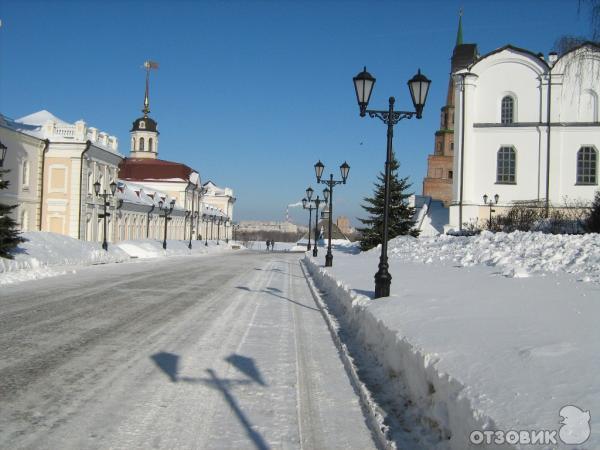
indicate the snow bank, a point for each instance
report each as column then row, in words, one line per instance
column 518, row 254
column 459, row 348
column 49, row 254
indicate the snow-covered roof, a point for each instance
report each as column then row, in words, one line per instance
column 45, row 125
column 40, row 118
column 140, row 194
column 212, row 211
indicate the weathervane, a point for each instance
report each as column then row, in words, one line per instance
column 148, row 65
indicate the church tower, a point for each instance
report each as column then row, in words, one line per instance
column 144, row 132
column 438, row 182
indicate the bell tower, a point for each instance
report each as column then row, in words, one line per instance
column 438, row 182
column 144, row 132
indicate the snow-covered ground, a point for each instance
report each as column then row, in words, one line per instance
column 49, row 254
column 492, row 332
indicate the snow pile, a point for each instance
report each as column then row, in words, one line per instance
column 518, row 254
column 460, row 349
column 45, row 255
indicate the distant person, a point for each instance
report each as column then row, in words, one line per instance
column 272, row 245
column 268, row 244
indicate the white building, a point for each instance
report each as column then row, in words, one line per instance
column 527, row 129
column 54, row 165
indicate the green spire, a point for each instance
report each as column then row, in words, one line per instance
column 459, row 36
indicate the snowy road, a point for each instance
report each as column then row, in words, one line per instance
column 224, row 352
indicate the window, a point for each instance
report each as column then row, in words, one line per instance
column 439, row 148
column 451, row 146
column 133, row 143
column 150, row 144
column 450, row 174
column 25, row 177
column 142, row 144
column 142, row 125
column 507, row 110
column 587, row 166
column 506, row 166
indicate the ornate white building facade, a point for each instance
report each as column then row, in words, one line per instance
column 526, row 129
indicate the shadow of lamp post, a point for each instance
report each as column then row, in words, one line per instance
column 363, row 85
column 105, row 203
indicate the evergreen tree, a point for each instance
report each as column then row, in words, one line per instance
column 9, row 235
column 592, row 223
column 400, row 215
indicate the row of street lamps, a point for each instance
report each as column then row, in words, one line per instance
column 167, row 210
column 363, row 86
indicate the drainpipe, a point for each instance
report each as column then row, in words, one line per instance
column 44, row 151
column 549, row 117
column 88, row 143
column 462, row 152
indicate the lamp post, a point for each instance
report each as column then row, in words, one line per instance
column 490, row 204
column 317, row 202
column 344, row 169
column 363, row 85
column 307, row 201
column 105, row 203
column 167, row 210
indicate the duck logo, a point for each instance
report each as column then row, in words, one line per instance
column 575, row 425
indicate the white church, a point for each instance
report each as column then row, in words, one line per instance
column 526, row 128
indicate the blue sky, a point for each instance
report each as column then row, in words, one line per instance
column 253, row 93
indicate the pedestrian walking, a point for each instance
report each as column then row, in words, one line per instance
column 272, row 245
column 268, row 243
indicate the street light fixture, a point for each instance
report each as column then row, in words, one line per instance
column 167, row 210
column 308, row 204
column 419, row 88
column 344, row 170
column 317, row 202
column 490, row 204
column 105, row 203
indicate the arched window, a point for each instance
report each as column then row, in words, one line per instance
column 587, row 166
column 141, row 143
column 508, row 110
column 506, row 166
column 149, row 144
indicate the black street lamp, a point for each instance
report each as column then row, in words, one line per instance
column 310, row 208
column 104, row 195
column 317, row 202
column 167, row 210
column 490, row 204
column 363, row 85
column 3, row 149
column 344, row 169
